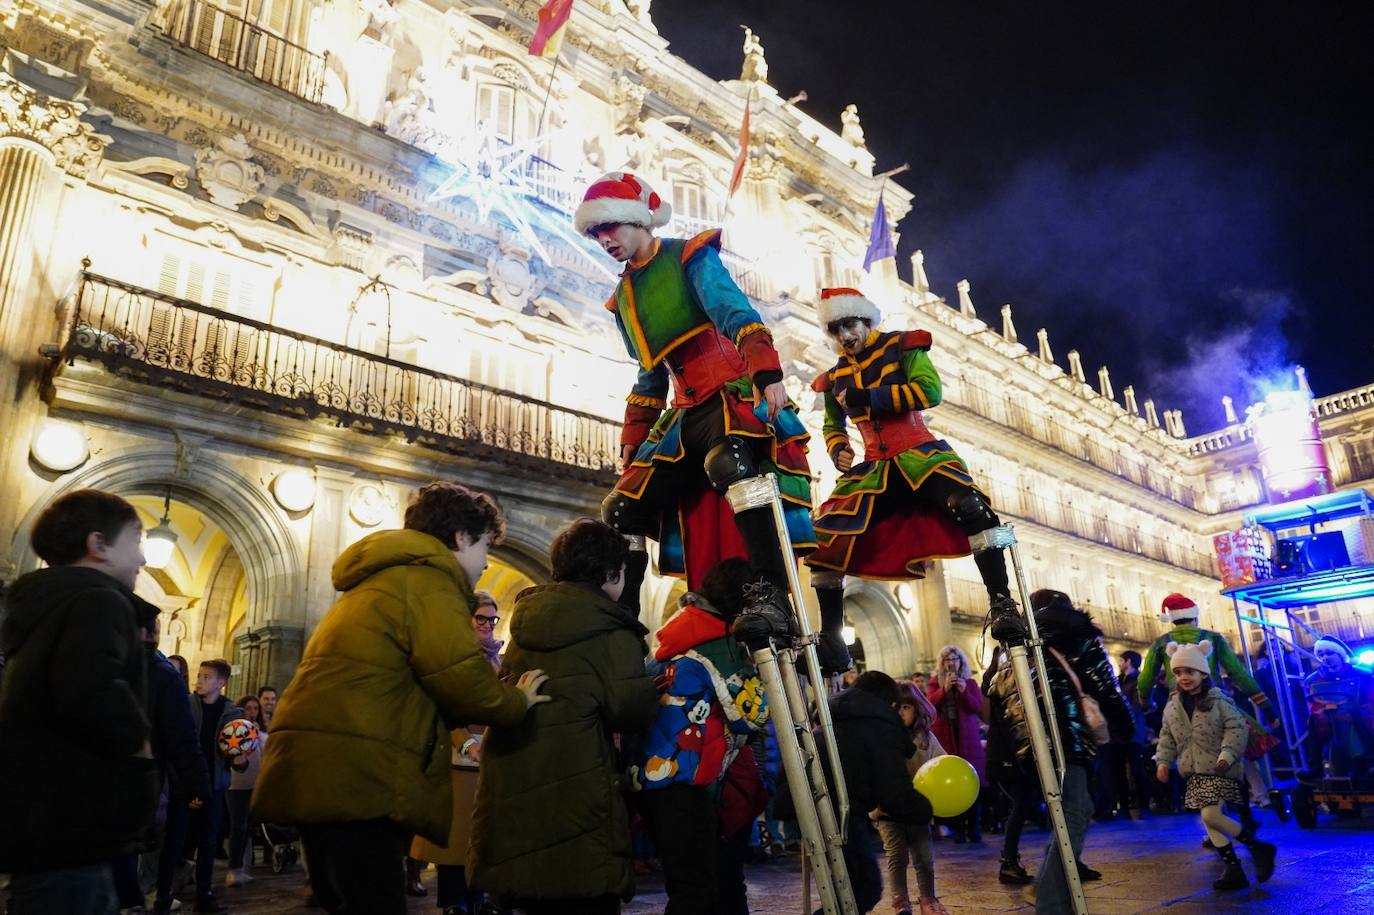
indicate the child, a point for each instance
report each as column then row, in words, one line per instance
column 1206, row 733
column 903, row 841
column 711, row 703
column 550, row 831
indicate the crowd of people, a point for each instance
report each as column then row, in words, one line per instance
column 542, row 774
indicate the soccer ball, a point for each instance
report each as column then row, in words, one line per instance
column 238, row 738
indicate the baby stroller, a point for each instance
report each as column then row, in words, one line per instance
column 281, row 846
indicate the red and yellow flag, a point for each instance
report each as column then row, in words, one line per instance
column 742, row 158
column 553, row 22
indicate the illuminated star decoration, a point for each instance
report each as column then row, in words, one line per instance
column 497, row 177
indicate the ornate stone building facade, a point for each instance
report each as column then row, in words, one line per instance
column 267, row 265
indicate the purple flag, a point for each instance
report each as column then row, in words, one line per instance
column 879, row 239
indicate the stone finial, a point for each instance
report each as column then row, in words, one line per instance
column 1128, row 392
column 965, row 301
column 1076, row 367
column 1008, row 328
column 1173, row 423
column 1230, row 407
column 1042, row 337
column 1302, row 380
column 851, row 131
column 918, row 273
column 1151, row 416
column 1179, row 428
column 1104, row 383
column 755, row 66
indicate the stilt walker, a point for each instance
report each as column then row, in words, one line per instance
column 722, row 471
column 913, row 500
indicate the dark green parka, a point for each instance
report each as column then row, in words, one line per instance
column 550, row 820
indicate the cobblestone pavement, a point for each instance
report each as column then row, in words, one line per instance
column 1154, row 865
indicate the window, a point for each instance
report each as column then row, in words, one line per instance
column 689, row 201
column 496, row 110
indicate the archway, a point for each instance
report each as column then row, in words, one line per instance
column 880, row 625
column 237, row 505
column 509, row 571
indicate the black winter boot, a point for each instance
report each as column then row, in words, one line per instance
column 1013, row 873
column 1233, row 877
column 1262, row 853
column 767, row 614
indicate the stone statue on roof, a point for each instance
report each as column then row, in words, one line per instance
column 755, row 66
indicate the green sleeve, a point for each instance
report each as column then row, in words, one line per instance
column 1149, row 669
column 835, row 426
column 920, row 371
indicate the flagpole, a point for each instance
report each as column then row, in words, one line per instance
column 539, row 130
column 730, row 195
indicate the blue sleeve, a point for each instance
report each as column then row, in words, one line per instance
column 724, row 303
column 650, row 383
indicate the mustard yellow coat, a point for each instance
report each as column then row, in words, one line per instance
column 362, row 731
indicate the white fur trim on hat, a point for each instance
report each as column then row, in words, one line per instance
column 1193, row 657
column 838, row 304
column 621, row 197
column 1331, row 643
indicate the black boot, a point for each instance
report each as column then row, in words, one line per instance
column 1013, row 873
column 831, row 650
column 1233, row 877
column 767, row 614
column 636, row 564
column 1262, row 853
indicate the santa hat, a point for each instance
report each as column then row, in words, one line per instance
column 620, row 197
column 1193, row 657
column 838, row 304
column 1177, row 608
column 1331, row 643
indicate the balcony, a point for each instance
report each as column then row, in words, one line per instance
column 246, row 47
column 997, row 407
column 179, row 344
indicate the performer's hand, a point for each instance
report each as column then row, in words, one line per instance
column 1222, row 764
column 1162, row 774
column 776, row 396
column 844, row 459
column 627, row 454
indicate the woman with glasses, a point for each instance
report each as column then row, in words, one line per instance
column 453, row 896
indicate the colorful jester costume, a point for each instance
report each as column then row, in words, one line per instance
column 689, row 327
column 912, row 499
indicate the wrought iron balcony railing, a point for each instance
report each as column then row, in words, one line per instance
column 176, row 343
column 246, row 46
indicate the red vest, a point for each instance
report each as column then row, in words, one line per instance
column 888, row 435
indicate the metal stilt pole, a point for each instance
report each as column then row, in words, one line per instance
column 1016, row 632
column 822, row 832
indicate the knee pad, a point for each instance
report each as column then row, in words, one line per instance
column 971, row 512
column 729, row 462
column 627, row 516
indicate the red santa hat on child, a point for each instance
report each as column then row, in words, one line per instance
column 1194, row 657
column 1177, row 608
column 620, row 197
column 841, row 303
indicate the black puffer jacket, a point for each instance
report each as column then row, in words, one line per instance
column 1006, row 726
column 1074, row 634
column 74, row 788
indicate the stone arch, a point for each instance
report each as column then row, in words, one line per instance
column 881, row 624
column 241, row 507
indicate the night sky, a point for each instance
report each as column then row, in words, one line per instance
column 1179, row 191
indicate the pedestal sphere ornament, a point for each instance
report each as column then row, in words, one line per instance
column 294, row 489
column 59, row 446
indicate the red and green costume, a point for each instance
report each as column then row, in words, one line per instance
column 877, row 524
column 689, row 327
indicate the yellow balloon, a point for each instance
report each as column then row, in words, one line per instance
column 949, row 783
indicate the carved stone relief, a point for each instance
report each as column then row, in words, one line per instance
column 228, row 172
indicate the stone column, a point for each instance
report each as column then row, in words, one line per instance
column 41, row 137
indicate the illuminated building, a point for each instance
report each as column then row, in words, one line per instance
column 222, row 222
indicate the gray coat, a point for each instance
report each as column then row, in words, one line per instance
column 219, row 766
column 1217, row 730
